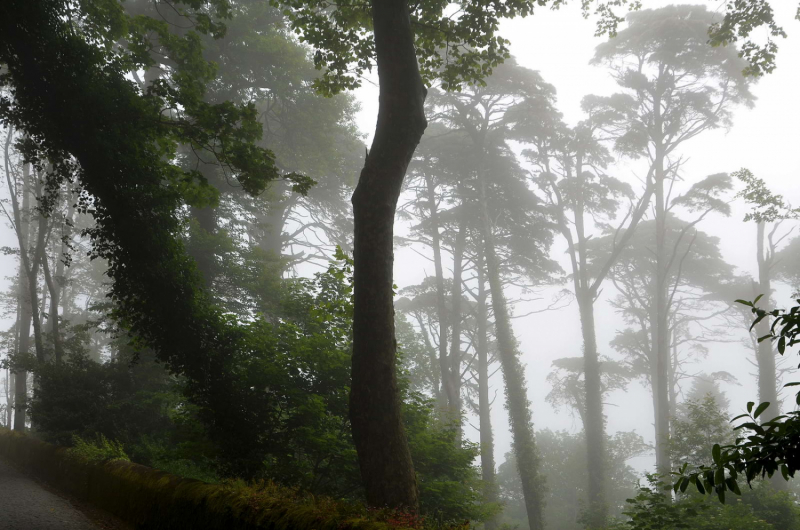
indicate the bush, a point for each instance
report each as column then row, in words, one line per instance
column 101, row 450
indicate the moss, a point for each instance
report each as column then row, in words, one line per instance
column 152, row 499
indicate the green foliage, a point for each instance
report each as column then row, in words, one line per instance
column 767, row 207
column 742, row 18
column 761, row 449
column 301, row 359
column 99, row 450
column 762, row 508
column 702, row 425
column 150, row 498
column 455, row 50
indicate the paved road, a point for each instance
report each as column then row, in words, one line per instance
column 25, row 505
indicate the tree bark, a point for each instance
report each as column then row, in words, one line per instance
column 455, row 324
column 594, row 422
column 448, row 385
column 58, row 349
column 25, row 312
column 767, row 375
column 517, row 402
column 660, row 325
column 384, row 458
column 484, row 405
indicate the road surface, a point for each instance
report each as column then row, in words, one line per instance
column 25, row 505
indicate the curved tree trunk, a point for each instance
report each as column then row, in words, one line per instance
column 517, row 403
column 383, row 454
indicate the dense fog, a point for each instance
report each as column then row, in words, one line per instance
column 563, row 323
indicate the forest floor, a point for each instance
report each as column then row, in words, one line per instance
column 27, row 504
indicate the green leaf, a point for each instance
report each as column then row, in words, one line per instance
column 761, row 408
column 700, row 488
column 716, row 453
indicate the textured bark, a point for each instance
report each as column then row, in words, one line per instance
column 384, row 458
column 517, row 403
column 484, row 405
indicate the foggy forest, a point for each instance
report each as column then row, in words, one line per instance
column 309, row 264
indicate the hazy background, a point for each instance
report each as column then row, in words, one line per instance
column 764, row 139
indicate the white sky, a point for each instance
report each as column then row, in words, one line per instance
column 765, row 139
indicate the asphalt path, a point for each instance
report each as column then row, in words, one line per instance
column 25, row 505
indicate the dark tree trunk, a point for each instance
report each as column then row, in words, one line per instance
column 54, row 298
column 517, row 403
column 10, row 389
column 25, row 313
column 383, row 454
column 484, row 404
column 201, row 248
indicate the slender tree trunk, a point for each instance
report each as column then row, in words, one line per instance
column 202, row 249
column 767, row 374
column 25, row 313
column 594, row 424
column 593, row 419
column 54, row 298
column 456, row 316
column 383, row 454
column 32, row 266
column 661, row 325
column 450, row 390
column 673, row 377
column 765, row 353
column 10, row 389
column 484, row 405
column 272, row 222
column 516, row 394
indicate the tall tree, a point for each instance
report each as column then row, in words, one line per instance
column 768, row 210
column 677, row 87
column 696, row 270
column 503, row 201
column 570, row 173
column 405, row 44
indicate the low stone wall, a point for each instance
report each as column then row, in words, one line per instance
column 151, row 499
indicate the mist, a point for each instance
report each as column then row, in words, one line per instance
column 406, row 264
